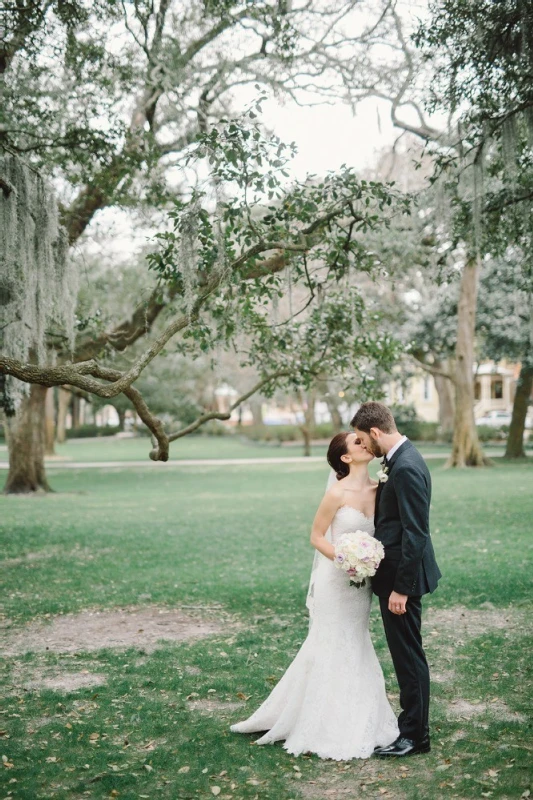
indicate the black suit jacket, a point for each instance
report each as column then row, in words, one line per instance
column 402, row 526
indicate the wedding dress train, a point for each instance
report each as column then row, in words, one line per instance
column 331, row 700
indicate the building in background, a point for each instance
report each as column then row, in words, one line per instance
column 494, row 390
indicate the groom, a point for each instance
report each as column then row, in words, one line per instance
column 408, row 571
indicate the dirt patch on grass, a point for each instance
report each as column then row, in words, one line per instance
column 192, row 670
column 68, row 681
column 143, row 628
column 468, row 623
column 58, row 677
column 462, row 709
column 211, row 707
column 445, row 676
column 359, row 778
column 82, row 554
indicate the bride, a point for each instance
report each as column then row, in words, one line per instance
column 331, row 700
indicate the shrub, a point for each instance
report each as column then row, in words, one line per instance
column 486, row 433
column 411, row 426
column 86, row 431
column 284, row 433
column 212, row 428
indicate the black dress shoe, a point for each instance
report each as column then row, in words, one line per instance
column 404, row 747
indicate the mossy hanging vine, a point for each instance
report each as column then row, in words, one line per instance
column 38, row 286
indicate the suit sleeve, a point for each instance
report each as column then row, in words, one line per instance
column 412, row 494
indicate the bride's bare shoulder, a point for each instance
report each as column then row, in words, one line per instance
column 335, row 492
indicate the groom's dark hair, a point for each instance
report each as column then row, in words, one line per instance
column 374, row 415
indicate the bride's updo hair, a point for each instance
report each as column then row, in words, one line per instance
column 338, row 447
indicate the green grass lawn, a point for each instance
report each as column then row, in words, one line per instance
column 231, row 544
column 108, row 448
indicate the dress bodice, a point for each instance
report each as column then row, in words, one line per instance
column 349, row 519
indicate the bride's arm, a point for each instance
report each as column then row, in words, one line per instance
column 323, row 518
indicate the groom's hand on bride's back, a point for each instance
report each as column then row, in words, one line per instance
column 397, row 603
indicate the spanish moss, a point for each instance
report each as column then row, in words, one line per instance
column 38, row 286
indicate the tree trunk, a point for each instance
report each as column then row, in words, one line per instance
column 444, row 389
column 121, row 418
column 26, row 442
column 515, row 440
column 256, row 407
column 307, row 429
column 75, row 411
column 62, row 410
column 336, row 419
column 50, row 423
column 466, row 448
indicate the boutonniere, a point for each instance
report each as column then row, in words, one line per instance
column 383, row 473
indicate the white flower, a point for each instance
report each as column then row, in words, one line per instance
column 360, row 555
column 382, row 476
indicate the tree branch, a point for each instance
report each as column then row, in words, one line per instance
column 431, row 369
column 225, row 415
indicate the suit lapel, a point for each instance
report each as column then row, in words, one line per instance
column 376, row 510
column 405, row 446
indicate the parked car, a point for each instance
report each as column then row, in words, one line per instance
column 495, row 419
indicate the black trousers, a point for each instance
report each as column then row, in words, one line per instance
column 403, row 632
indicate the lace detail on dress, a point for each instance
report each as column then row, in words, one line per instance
column 331, row 700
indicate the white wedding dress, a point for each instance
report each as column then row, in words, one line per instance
column 331, row 700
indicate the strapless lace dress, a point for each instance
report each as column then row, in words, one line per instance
column 331, row 700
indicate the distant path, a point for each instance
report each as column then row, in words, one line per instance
column 205, row 462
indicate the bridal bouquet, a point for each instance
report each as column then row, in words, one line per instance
column 358, row 554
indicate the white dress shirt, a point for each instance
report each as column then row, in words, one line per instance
column 394, row 448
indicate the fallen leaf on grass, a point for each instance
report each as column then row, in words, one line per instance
column 243, row 696
column 215, row 790
column 148, row 768
column 183, row 770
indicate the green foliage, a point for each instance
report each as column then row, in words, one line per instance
column 504, row 308
column 62, row 76
column 487, row 50
column 217, row 250
column 482, row 56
